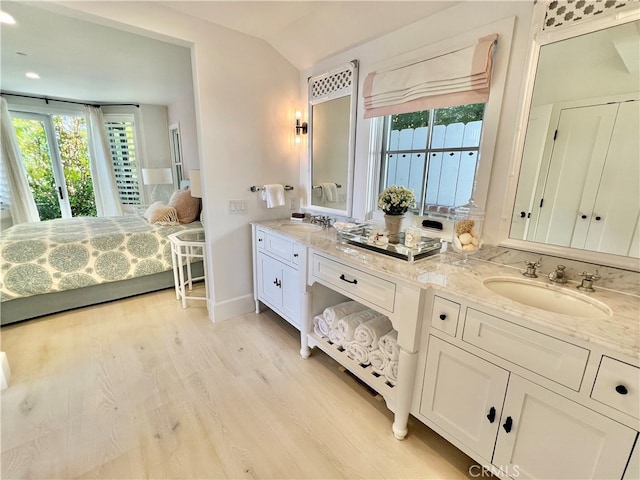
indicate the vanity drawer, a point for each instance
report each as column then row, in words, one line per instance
column 298, row 252
column 261, row 237
column 555, row 359
column 618, row 385
column 279, row 247
column 354, row 283
column 444, row 315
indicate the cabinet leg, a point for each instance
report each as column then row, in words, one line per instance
column 257, row 306
column 407, row 363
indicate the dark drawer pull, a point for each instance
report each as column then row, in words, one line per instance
column 295, row 255
column 492, row 415
column 354, row 281
column 622, row 390
column 443, row 316
column 508, row 424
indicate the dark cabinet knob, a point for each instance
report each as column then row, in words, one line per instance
column 259, row 239
column 492, row 415
column 598, row 218
column 443, row 316
column 583, row 217
column 622, row 390
column 295, row 255
column 508, row 424
column 523, row 214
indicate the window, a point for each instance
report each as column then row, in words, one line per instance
column 120, row 131
column 434, row 152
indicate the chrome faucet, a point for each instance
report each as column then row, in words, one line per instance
column 323, row 220
column 558, row 275
column 531, row 268
column 587, row 281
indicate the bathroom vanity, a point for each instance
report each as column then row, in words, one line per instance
column 526, row 392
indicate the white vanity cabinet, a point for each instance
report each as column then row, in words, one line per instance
column 278, row 279
column 489, row 386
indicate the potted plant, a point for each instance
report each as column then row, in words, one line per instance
column 394, row 201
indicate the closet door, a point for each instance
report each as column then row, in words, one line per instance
column 614, row 220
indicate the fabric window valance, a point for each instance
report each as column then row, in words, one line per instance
column 455, row 78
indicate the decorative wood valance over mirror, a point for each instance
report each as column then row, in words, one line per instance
column 578, row 192
column 332, row 124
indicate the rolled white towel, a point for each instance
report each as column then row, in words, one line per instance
column 320, row 326
column 368, row 333
column 335, row 337
column 335, row 313
column 379, row 361
column 388, row 343
column 357, row 352
column 347, row 325
column 391, row 372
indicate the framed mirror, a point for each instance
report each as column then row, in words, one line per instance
column 332, row 123
column 578, row 189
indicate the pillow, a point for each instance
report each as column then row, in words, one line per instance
column 186, row 205
column 161, row 214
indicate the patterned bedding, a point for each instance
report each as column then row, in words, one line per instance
column 65, row 254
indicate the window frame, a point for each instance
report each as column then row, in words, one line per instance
column 126, row 118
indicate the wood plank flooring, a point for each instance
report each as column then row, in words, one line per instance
column 141, row 388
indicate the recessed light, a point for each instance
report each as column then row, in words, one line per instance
column 32, row 75
column 6, row 18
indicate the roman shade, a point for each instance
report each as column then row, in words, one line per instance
column 455, row 78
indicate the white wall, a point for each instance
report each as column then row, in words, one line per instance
column 245, row 96
column 454, row 21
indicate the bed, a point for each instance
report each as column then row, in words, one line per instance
column 55, row 265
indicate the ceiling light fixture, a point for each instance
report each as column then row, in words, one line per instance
column 33, row 75
column 6, row 18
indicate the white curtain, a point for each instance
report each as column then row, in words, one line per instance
column 454, row 78
column 22, row 205
column 105, row 188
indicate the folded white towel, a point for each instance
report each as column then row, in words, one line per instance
column 368, row 333
column 330, row 192
column 335, row 337
column 335, row 313
column 273, row 194
column 357, row 352
column 320, row 326
column 391, row 372
column 346, row 326
column 379, row 361
column 389, row 345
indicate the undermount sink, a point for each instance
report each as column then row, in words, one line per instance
column 547, row 297
column 301, row 227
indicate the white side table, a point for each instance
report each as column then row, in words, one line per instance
column 185, row 247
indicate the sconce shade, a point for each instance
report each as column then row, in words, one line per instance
column 195, row 183
column 157, row 176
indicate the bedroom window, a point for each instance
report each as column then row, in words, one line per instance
column 434, row 152
column 120, row 131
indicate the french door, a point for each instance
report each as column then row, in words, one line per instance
column 55, row 154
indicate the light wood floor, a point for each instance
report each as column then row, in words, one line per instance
column 141, row 388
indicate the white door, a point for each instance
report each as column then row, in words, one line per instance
column 270, row 281
column 571, row 183
column 463, row 394
column 545, row 436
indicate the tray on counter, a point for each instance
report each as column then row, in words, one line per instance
column 361, row 236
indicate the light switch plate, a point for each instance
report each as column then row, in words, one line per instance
column 237, row 207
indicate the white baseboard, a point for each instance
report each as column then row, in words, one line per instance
column 5, row 374
column 231, row 308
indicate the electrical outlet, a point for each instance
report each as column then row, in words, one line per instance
column 237, row 207
column 292, row 204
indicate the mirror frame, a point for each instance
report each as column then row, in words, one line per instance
column 317, row 99
column 627, row 14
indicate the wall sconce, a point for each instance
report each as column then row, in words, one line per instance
column 301, row 127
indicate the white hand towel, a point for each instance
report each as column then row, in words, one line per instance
column 320, row 326
column 357, row 352
column 330, row 192
column 370, row 332
column 379, row 361
column 273, row 194
column 391, row 372
column 347, row 325
column 335, row 337
column 389, row 345
column 335, row 313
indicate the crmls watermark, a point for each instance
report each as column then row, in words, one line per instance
column 480, row 471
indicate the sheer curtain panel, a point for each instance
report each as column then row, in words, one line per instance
column 455, row 78
column 104, row 180
column 22, row 205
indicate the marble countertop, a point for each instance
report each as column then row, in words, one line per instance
column 619, row 332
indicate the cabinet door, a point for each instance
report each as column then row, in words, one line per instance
column 463, row 394
column 546, row 436
column 270, row 281
column 291, row 295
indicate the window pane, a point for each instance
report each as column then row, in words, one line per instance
column 123, row 155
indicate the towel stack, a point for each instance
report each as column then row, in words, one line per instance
column 364, row 334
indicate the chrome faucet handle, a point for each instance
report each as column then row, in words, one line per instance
column 587, row 281
column 531, row 268
column 558, row 275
